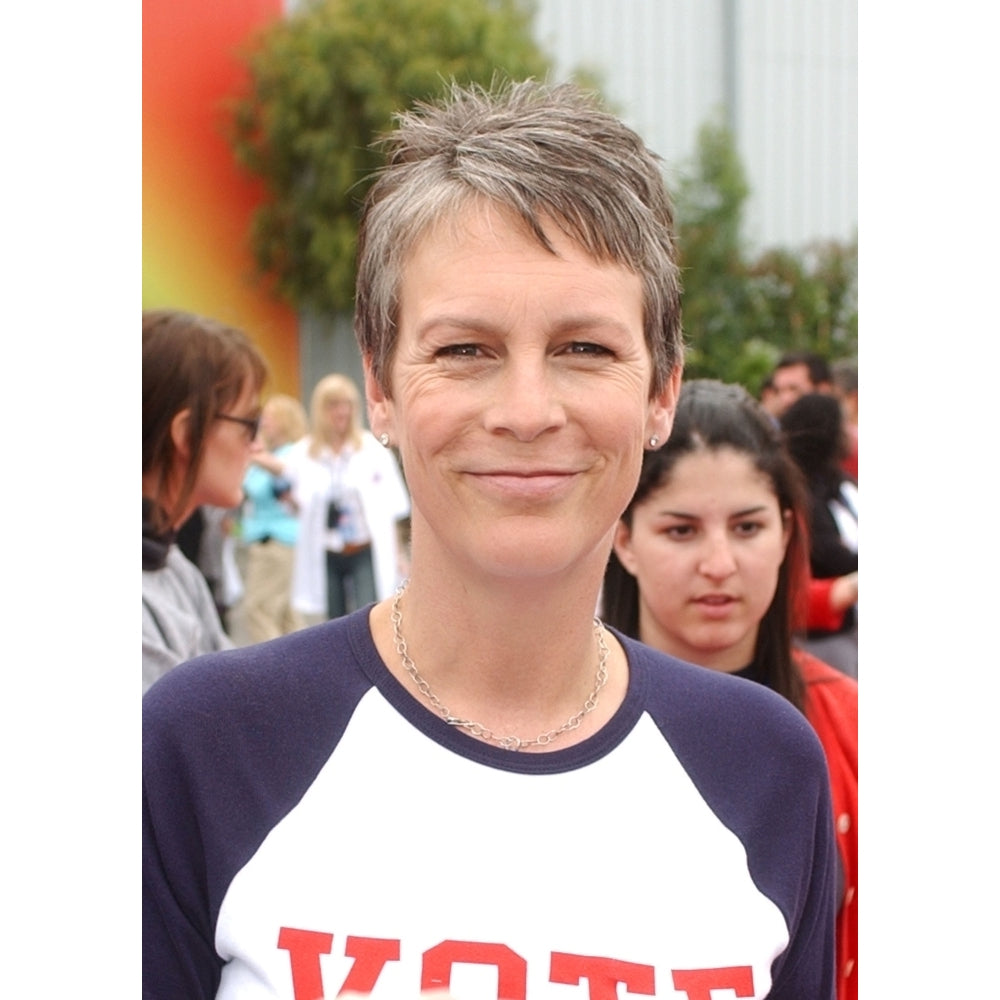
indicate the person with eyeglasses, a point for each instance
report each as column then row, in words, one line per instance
column 201, row 385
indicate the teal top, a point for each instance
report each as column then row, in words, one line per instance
column 264, row 515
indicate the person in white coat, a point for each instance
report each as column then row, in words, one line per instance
column 351, row 497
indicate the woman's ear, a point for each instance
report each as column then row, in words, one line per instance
column 380, row 409
column 622, row 544
column 180, row 433
column 662, row 407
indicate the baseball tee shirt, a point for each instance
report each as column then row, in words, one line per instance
column 311, row 828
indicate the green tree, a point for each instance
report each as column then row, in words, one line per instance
column 742, row 312
column 710, row 205
column 323, row 83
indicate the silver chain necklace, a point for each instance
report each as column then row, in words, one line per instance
column 475, row 728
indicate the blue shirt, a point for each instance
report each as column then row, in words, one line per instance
column 264, row 516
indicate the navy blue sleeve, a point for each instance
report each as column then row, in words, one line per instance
column 231, row 742
column 761, row 768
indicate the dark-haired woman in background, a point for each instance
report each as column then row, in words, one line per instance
column 201, row 383
column 710, row 564
column 817, row 439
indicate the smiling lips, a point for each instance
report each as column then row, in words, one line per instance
column 538, row 483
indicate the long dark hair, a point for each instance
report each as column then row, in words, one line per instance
column 193, row 362
column 813, row 427
column 712, row 415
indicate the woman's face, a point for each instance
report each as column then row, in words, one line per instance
column 227, row 454
column 520, row 396
column 337, row 416
column 270, row 427
column 705, row 550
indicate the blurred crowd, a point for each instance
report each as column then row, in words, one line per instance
column 815, row 404
column 322, row 526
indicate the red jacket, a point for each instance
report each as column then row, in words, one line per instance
column 821, row 616
column 850, row 462
column 832, row 710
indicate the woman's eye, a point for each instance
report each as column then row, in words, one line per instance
column 679, row 532
column 747, row 529
column 586, row 348
column 459, row 351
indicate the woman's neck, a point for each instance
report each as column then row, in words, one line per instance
column 507, row 640
column 518, row 668
column 164, row 496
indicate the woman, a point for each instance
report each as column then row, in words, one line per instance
column 269, row 527
column 708, row 560
column 201, row 383
column 351, row 499
column 817, row 439
column 474, row 786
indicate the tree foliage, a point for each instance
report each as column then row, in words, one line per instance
column 323, row 83
column 326, row 80
column 742, row 311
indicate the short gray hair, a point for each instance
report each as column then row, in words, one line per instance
column 543, row 151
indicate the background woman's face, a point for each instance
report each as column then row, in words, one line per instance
column 337, row 414
column 227, row 455
column 270, row 427
column 705, row 549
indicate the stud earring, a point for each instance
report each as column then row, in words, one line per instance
column 654, row 441
column 383, row 439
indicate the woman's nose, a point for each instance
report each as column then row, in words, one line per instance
column 526, row 401
column 717, row 561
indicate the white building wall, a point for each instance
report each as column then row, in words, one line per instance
column 785, row 72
